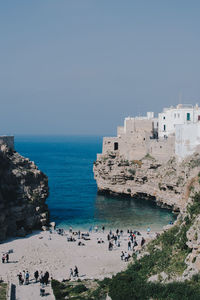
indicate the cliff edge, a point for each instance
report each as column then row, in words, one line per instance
column 23, row 192
column 167, row 183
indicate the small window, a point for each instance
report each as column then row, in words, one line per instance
column 178, row 115
column 144, row 139
column 164, row 118
column 188, row 116
column 164, row 127
column 198, row 118
column 174, row 116
column 116, row 146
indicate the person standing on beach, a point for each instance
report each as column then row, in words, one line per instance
column 7, row 257
column 110, row 246
column 129, row 245
column 41, row 278
column 36, row 275
column 75, row 271
column 70, row 273
column 46, row 277
column 27, row 277
column 3, row 259
column 142, row 241
column 21, row 280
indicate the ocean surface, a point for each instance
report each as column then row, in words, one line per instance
column 73, row 200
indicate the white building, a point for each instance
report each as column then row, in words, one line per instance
column 187, row 139
column 179, row 115
column 176, row 132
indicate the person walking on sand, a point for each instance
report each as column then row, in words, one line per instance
column 7, row 257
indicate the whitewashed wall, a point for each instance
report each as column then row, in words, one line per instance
column 187, row 139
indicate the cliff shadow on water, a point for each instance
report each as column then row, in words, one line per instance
column 127, row 212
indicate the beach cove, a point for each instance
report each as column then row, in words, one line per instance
column 73, row 200
column 52, row 252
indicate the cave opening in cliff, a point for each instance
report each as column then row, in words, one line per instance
column 20, row 224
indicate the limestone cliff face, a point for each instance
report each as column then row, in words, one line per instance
column 23, row 192
column 166, row 183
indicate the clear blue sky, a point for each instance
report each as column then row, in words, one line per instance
column 80, row 67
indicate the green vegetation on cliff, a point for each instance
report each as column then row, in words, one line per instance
column 3, row 291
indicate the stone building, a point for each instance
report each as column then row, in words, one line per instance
column 176, row 132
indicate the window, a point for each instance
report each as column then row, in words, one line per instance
column 198, row 118
column 164, row 127
column 188, row 116
column 178, row 115
column 116, row 146
column 164, row 118
column 174, row 116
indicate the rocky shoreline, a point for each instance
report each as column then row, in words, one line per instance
column 167, row 184
column 23, row 192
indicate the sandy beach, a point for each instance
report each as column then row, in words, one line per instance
column 43, row 251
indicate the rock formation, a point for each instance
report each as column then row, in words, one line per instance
column 172, row 184
column 166, row 183
column 23, row 192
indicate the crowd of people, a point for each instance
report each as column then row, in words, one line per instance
column 73, row 274
column 24, row 277
column 115, row 239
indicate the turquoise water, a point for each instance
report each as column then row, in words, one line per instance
column 73, row 200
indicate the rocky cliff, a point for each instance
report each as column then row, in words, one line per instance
column 23, row 192
column 172, row 184
column 166, row 183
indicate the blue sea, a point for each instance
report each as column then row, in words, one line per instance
column 73, row 199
